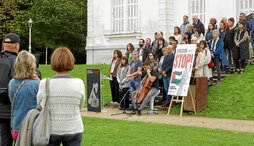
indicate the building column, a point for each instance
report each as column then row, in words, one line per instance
column 166, row 13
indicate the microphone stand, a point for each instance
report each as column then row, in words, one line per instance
column 124, row 110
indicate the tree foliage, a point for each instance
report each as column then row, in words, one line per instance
column 55, row 23
column 13, row 16
column 59, row 23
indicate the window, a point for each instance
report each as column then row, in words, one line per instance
column 246, row 6
column 125, row 17
column 198, row 9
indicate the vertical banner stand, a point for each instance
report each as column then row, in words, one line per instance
column 180, row 99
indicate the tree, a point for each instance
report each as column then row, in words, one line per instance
column 13, row 15
column 60, row 23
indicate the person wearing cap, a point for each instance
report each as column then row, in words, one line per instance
column 216, row 48
column 11, row 46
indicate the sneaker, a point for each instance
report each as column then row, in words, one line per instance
column 133, row 112
column 120, row 108
column 115, row 103
column 241, row 71
column 111, row 103
column 166, row 104
column 139, row 112
column 130, row 108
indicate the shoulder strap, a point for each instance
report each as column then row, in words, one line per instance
column 47, row 91
column 15, row 95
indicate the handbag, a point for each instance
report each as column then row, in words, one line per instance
column 211, row 64
column 41, row 126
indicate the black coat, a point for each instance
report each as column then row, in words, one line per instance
column 229, row 42
column 243, row 49
column 167, row 64
column 147, row 50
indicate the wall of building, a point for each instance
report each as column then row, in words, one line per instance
column 155, row 15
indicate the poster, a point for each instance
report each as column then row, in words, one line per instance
column 182, row 70
column 93, row 90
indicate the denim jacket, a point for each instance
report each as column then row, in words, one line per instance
column 25, row 100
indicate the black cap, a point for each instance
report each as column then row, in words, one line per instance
column 11, row 38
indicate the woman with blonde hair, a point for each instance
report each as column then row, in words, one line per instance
column 65, row 100
column 23, row 89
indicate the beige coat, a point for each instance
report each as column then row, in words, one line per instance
column 199, row 65
column 206, row 69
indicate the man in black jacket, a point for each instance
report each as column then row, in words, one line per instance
column 167, row 68
column 11, row 46
column 148, row 49
column 196, row 21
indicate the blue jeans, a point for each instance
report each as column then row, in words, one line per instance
column 134, row 85
column 166, row 82
column 66, row 140
column 225, row 57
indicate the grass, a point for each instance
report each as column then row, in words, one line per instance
column 109, row 132
column 79, row 71
column 234, row 98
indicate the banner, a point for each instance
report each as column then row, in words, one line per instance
column 182, row 70
column 93, row 90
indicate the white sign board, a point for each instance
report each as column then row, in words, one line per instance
column 182, row 70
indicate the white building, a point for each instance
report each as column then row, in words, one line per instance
column 112, row 24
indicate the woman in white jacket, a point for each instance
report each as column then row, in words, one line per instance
column 203, row 59
column 207, row 72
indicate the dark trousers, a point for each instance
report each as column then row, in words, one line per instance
column 125, row 93
column 217, row 62
column 240, row 64
column 114, row 90
column 162, row 89
column 65, row 140
column 237, row 58
column 5, row 133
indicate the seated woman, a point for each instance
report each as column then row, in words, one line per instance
column 23, row 89
column 152, row 76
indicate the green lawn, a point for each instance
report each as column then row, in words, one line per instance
column 79, row 71
column 234, row 98
column 109, row 132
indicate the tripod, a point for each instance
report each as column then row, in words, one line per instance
column 124, row 110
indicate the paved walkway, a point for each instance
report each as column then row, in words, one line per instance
column 215, row 123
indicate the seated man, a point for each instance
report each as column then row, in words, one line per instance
column 152, row 76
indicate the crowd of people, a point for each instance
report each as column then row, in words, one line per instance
column 22, row 90
column 222, row 47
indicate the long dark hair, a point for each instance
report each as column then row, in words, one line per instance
column 119, row 53
column 154, row 56
column 125, row 58
column 208, row 29
column 204, row 43
column 163, row 40
column 179, row 30
column 131, row 47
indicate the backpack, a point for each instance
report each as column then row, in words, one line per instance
column 7, row 60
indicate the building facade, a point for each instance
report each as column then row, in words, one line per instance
column 112, row 24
